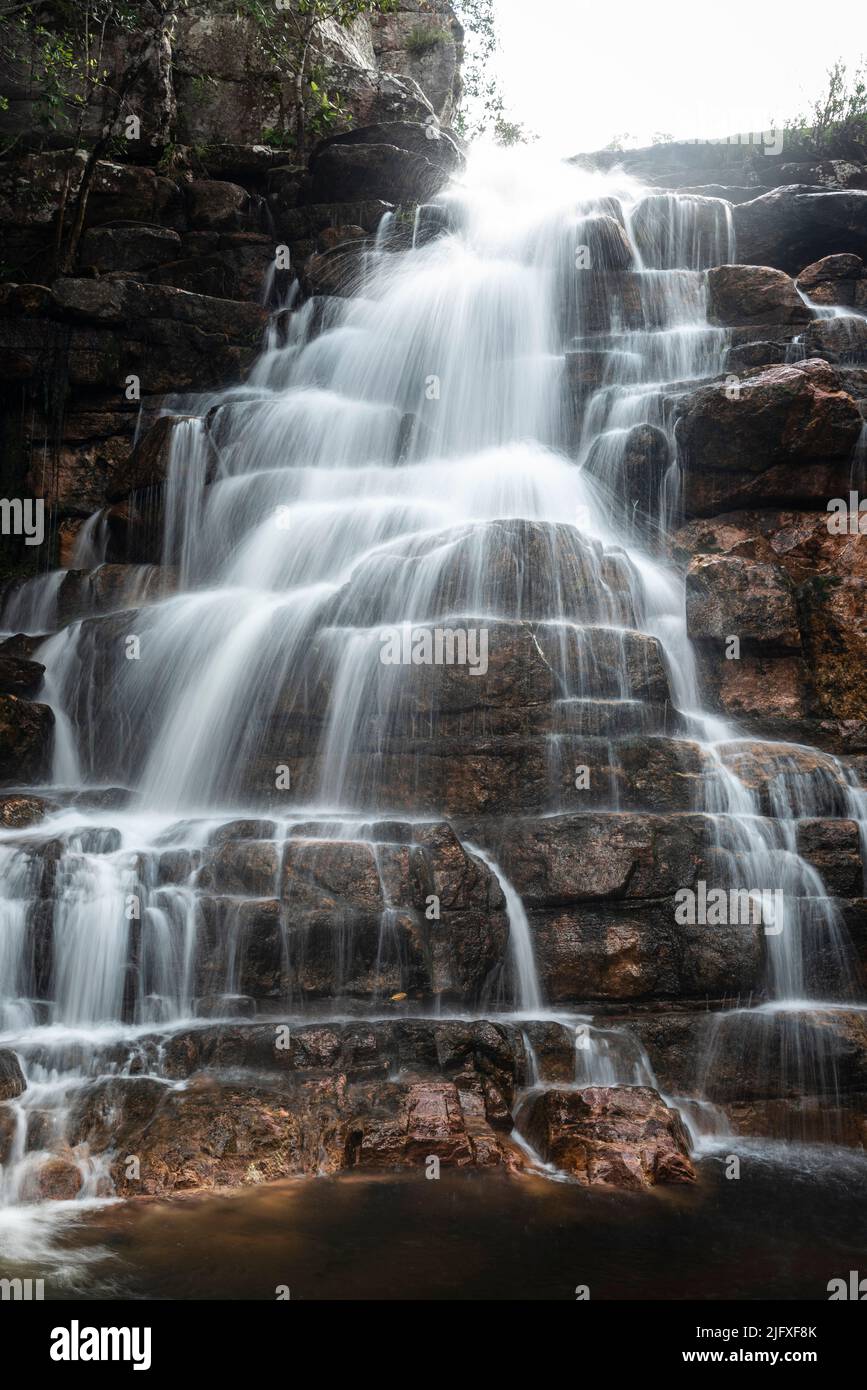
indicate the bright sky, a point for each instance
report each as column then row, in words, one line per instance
column 579, row 72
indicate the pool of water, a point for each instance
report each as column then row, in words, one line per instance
column 794, row 1219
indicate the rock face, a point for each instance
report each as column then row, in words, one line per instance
column 792, row 226
column 786, row 432
column 625, row 1137
column 748, row 294
column 11, row 1077
column 790, row 587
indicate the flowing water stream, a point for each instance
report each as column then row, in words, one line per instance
column 361, row 479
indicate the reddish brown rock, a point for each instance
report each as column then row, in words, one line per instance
column 833, row 279
column 55, row 1179
column 622, row 1137
column 730, row 594
column 787, row 432
column 747, row 294
column 12, row 1081
column 26, row 740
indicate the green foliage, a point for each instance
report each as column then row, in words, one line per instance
column 483, row 108
column 60, row 46
column 287, row 34
column 420, row 41
column 839, row 116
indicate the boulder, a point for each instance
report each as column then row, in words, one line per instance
column 137, row 247
column 623, row 1136
column 26, row 740
column 216, row 206
column 733, row 595
column 18, row 676
column 837, row 279
column 791, row 227
column 12, row 1081
column 16, row 812
column 842, row 339
column 787, row 433
column 343, row 172
column 747, row 294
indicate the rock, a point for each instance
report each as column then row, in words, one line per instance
column 833, row 280
column 837, row 340
column 19, row 676
column 149, row 462
column 747, row 294
column 55, row 1179
column 567, row 859
column 680, row 232
column 339, row 271
column 729, row 594
column 426, row 47
column 429, row 140
column 607, row 245
column 220, row 1132
column 16, row 812
column 833, row 847
column 138, row 247
column 12, row 1081
column 216, row 206
column 633, row 468
column 359, row 171
column 334, row 919
column 26, row 740
column 742, row 357
column 623, row 1136
column 792, row 226
column 777, row 438
column 637, row 951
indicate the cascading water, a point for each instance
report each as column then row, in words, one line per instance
column 371, row 474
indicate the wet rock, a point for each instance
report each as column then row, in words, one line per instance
column 26, row 740
column 603, row 855
column 216, row 206
column 343, row 172
column 788, row 432
column 18, row 676
column 623, row 1137
column 638, row 951
column 55, row 1179
column 792, row 226
column 837, row 340
column 667, row 230
column 833, row 847
column 636, row 479
column 137, row 247
column 339, row 271
column 835, row 280
column 17, row 812
column 607, row 245
column 148, row 463
column 729, row 594
column 746, row 294
column 12, row 1081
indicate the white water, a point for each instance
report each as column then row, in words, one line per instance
column 361, row 478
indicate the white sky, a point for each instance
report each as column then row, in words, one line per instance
column 578, row 72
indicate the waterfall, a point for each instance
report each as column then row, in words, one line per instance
column 528, row 995
column 389, row 463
